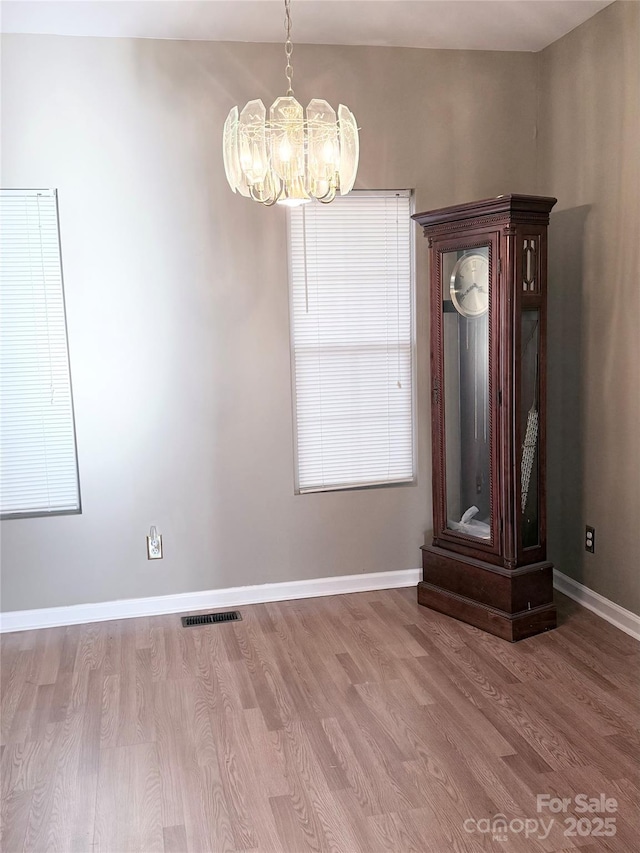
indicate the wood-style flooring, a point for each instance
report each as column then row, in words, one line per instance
column 352, row 723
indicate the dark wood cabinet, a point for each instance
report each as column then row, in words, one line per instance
column 488, row 277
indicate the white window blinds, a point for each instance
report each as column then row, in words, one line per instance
column 38, row 467
column 352, row 339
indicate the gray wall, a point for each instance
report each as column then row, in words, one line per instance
column 589, row 157
column 178, row 307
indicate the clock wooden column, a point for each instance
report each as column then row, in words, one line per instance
column 487, row 564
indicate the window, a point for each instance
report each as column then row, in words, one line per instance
column 38, row 466
column 352, row 341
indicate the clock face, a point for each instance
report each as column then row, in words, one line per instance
column 469, row 285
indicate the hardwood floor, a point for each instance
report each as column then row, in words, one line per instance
column 353, row 723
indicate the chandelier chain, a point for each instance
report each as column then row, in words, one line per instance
column 288, row 47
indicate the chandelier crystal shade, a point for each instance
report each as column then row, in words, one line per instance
column 293, row 155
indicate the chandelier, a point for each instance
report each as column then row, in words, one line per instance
column 289, row 158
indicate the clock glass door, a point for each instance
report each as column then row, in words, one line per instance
column 465, row 280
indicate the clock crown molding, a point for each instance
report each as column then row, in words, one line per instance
column 512, row 206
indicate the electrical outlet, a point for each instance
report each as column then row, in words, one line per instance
column 154, row 545
column 590, row 539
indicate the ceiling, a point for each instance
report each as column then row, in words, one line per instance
column 528, row 25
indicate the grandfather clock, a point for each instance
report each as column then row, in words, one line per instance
column 487, row 564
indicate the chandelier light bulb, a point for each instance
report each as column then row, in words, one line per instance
column 285, row 152
column 328, row 153
column 294, row 155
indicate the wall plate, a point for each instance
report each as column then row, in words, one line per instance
column 154, row 547
column 590, row 539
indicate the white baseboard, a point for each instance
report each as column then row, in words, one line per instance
column 623, row 619
column 24, row 620
column 49, row 617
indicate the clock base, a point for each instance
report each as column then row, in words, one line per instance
column 511, row 603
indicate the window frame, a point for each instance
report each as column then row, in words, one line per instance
column 385, row 484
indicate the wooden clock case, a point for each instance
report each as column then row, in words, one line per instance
column 501, row 583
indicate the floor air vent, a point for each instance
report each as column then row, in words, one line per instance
column 210, row 618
